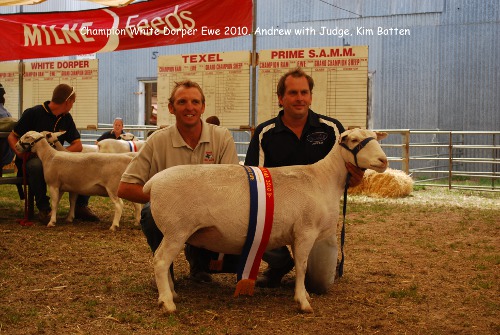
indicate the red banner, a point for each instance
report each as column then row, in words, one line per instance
column 141, row 25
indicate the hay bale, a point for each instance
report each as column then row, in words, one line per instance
column 389, row 184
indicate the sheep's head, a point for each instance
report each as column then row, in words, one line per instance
column 28, row 140
column 363, row 150
column 128, row 137
column 51, row 137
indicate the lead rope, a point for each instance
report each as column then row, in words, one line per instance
column 25, row 221
column 342, row 233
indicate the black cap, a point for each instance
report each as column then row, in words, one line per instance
column 2, row 90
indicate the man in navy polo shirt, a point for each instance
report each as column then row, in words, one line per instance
column 297, row 136
column 51, row 116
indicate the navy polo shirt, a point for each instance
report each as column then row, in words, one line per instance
column 109, row 134
column 40, row 118
column 274, row 144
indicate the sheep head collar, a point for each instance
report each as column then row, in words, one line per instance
column 357, row 148
column 29, row 139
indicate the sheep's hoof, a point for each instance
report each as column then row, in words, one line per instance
column 113, row 228
column 165, row 309
column 304, row 306
column 51, row 224
column 306, row 309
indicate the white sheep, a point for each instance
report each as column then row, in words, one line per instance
column 78, row 173
column 110, row 145
column 89, row 148
column 54, row 142
column 390, row 184
column 215, row 214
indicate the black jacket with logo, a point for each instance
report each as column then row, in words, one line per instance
column 274, row 144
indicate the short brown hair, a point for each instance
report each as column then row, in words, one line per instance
column 186, row 84
column 213, row 120
column 62, row 93
column 296, row 73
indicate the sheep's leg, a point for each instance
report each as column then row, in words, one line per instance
column 118, row 210
column 72, row 203
column 163, row 258
column 137, row 212
column 300, row 253
column 54, row 199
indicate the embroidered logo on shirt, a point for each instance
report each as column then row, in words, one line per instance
column 318, row 137
column 208, row 157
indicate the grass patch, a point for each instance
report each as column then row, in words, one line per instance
column 407, row 293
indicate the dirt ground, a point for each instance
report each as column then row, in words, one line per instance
column 426, row 264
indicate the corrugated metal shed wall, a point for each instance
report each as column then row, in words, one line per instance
column 442, row 76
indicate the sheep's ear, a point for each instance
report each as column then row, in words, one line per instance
column 343, row 136
column 59, row 133
column 380, row 135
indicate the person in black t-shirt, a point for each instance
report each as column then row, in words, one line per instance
column 51, row 116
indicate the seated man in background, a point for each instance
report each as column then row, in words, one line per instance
column 51, row 116
column 115, row 132
column 6, row 153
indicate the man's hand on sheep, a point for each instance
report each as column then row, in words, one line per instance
column 356, row 174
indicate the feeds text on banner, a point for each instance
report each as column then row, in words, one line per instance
column 141, row 25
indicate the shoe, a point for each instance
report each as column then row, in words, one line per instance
column 272, row 276
column 198, row 264
column 201, row 277
column 44, row 215
column 84, row 213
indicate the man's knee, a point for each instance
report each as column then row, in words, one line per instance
column 34, row 166
column 277, row 258
column 321, row 265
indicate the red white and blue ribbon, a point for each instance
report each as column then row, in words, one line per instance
column 259, row 228
column 132, row 146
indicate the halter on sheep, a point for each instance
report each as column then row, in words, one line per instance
column 215, row 215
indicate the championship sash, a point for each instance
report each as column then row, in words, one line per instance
column 133, row 147
column 259, row 228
